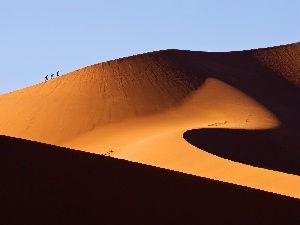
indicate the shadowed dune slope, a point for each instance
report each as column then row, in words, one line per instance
column 274, row 85
column 283, row 60
column 44, row 184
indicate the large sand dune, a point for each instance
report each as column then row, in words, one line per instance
column 155, row 109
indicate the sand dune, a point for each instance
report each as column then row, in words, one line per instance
column 44, row 184
column 140, row 108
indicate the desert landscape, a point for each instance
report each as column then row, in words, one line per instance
column 165, row 137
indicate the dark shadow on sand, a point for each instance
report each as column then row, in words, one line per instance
column 274, row 149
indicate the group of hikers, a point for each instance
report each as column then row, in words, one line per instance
column 52, row 75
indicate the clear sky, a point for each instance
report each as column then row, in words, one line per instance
column 40, row 37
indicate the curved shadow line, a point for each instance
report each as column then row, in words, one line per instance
column 273, row 149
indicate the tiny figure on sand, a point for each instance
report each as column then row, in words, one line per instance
column 46, row 77
column 57, row 73
column 52, row 75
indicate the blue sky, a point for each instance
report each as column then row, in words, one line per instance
column 41, row 37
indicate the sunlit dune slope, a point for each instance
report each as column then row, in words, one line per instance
column 138, row 108
column 104, row 93
column 44, row 184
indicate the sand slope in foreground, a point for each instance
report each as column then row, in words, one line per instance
column 138, row 108
column 44, row 184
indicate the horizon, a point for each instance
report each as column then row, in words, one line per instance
column 43, row 38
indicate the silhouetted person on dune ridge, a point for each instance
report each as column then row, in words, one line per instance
column 52, row 76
